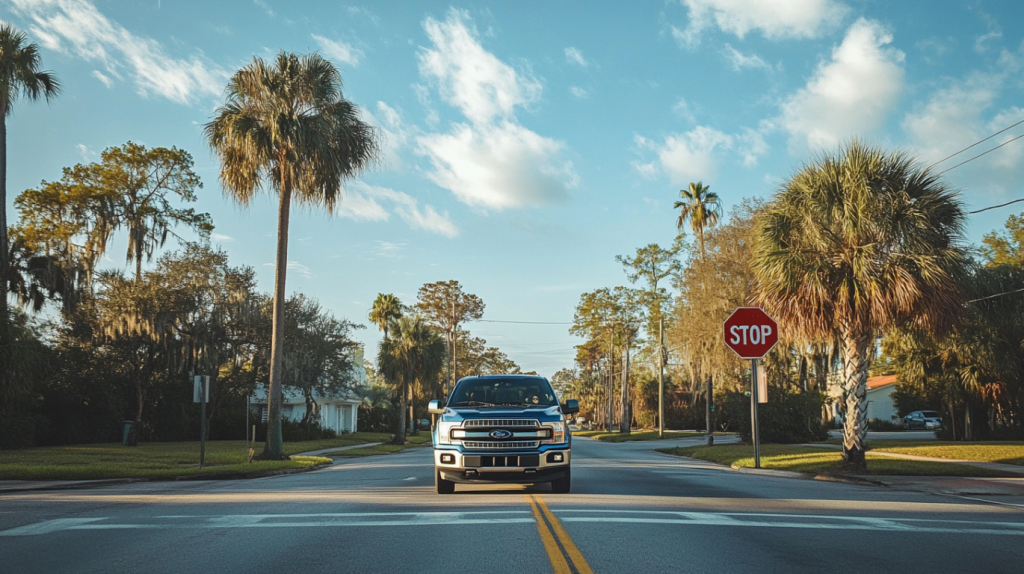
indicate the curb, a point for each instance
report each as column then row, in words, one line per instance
column 251, row 475
column 73, row 484
column 824, row 477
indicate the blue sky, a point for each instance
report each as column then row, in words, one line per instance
column 528, row 143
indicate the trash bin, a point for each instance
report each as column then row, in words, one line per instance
column 127, row 429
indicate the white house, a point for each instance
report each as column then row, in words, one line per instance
column 879, row 398
column 338, row 413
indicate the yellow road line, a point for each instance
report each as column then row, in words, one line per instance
column 574, row 553
column 558, row 561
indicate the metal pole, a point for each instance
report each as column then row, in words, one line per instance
column 661, row 376
column 755, row 435
column 204, row 387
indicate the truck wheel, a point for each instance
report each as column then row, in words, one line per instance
column 441, row 485
column 562, row 485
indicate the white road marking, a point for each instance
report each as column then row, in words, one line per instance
column 727, row 519
column 279, row 521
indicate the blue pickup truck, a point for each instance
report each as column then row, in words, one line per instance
column 502, row 429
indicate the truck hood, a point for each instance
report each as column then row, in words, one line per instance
column 458, row 414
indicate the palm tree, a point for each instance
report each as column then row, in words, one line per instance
column 385, row 309
column 854, row 244
column 414, row 353
column 286, row 123
column 702, row 208
column 20, row 77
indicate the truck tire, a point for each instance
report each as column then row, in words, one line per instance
column 441, row 485
column 562, row 485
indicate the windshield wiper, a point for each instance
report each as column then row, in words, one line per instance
column 522, row 404
column 473, row 404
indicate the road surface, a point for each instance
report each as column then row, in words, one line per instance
column 631, row 510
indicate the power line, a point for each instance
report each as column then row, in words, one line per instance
column 994, row 296
column 519, row 322
column 996, row 206
column 974, row 144
column 981, row 154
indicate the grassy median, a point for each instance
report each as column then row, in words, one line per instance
column 160, row 461
column 824, row 460
column 634, row 436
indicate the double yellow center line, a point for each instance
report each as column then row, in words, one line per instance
column 565, row 557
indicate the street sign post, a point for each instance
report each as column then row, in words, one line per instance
column 201, row 395
column 751, row 333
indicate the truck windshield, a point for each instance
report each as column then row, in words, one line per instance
column 497, row 392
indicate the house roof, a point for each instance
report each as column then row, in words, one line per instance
column 878, row 382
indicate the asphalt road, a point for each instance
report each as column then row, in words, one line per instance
column 631, row 510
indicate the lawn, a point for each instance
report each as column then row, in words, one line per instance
column 634, row 436
column 1001, row 452
column 411, row 441
column 159, row 461
column 822, row 460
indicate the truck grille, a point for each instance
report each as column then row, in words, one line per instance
column 527, row 460
column 501, row 445
column 501, row 423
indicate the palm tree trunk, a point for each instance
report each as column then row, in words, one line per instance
column 708, row 415
column 274, row 447
column 400, row 427
column 855, row 377
column 4, row 249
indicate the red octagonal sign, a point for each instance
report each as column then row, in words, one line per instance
column 750, row 332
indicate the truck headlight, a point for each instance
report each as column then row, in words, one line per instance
column 557, row 432
column 443, row 432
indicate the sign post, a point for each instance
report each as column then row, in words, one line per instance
column 201, row 395
column 751, row 333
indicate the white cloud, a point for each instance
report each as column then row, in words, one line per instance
column 76, row 27
column 339, row 51
column 296, row 267
column 363, row 202
column 394, row 133
column 498, row 166
column 471, row 78
column 86, row 153
column 103, row 78
column 739, row 60
column 682, row 109
column 849, row 95
column 685, row 157
column 579, row 92
column 492, row 162
column 574, row 56
column 954, row 117
column 775, row 19
column 221, row 238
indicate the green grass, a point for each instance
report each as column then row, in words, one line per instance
column 412, row 441
column 634, row 436
column 1001, row 452
column 159, row 461
column 823, row 460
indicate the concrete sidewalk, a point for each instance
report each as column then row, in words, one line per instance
column 337, row 448
column 7, row 486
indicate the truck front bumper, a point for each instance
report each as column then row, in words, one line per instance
column 519, row 467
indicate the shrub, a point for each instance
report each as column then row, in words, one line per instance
column 879, row 425
column 788, row 417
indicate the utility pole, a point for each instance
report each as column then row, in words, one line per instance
column 710, row 414
column 611, row 379
column 661, row 377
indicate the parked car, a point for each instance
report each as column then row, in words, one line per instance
column 423, row 424
column 927, row 420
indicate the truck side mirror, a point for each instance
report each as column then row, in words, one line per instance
column 570, row 407
column 435, row 408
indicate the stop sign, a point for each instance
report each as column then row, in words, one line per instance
column 750, row 332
